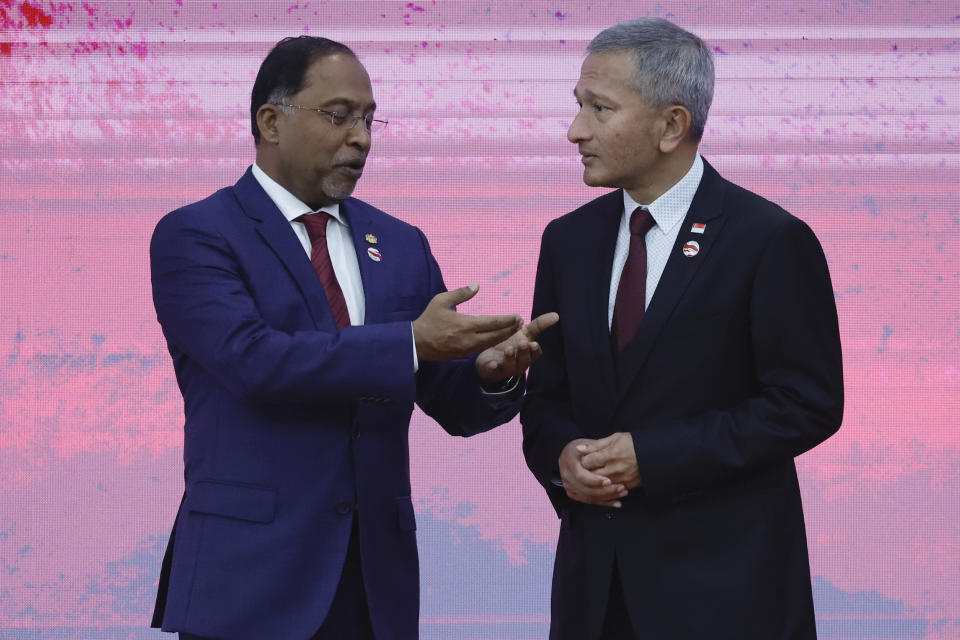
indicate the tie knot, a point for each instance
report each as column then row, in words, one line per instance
column 316, row 224
column 641, row 221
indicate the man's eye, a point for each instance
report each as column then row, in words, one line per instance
column 337, row 119
column 599, row 108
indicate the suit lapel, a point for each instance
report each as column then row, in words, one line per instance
column 279, row 236
column 679, row 272
column 594, row 292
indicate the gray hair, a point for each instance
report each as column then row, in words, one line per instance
column 673, row 66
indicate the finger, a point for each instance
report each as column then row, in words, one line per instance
column 595, row 447
column 535, row 355
column 540, row 323
column 608, row 500
column 586, row 445
column 624, row 473
column 480, row 324
column 474, row 342
column 596, row 459
column 524, row 360
column 457, row 296
column 590, row 479
column 607, row 469
column 602, row 443
column 492, row 367
column 586, row 499
column 615, row 470
column 616, row 504
column 603, row 495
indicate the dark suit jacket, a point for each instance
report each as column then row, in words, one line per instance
column 290, row 423
column 735, row 370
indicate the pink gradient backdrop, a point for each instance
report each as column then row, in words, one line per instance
column 113, row 113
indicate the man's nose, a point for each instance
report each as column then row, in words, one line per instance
column 577, row 132
column 358, row 136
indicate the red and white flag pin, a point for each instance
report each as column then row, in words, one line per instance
column 374, row 254
column 698, row 227
column 691, row 248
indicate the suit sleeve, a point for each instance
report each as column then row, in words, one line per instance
column 547, row 415
column 798, row 401
column 208, row 313
column 450, row 392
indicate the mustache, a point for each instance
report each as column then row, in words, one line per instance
column 355, row 162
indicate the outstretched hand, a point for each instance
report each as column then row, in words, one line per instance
column 515, row 354
column 440, row 333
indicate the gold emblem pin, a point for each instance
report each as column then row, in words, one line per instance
column 371, row 239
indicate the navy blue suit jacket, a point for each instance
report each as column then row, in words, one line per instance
column 735, row 369
column 290, row 423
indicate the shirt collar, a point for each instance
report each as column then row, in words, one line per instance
column 671, row 207
column 290, row 205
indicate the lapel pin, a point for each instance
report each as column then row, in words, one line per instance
column 691, row 248
column 374, row 254
column 698, row 227
column 370, row 238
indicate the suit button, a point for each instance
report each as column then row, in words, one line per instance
column 609, row 515
column 343, row 508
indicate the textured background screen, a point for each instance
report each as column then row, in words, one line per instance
column 114, row 113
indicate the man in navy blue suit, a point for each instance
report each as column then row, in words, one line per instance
column 303, row 326
column 698, row 353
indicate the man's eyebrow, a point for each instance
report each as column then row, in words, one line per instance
column 350, row 104
column 586, row 94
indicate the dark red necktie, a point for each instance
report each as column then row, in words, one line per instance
column 316, row 224
column 628, row 309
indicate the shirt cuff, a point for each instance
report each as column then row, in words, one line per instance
column 416, row 361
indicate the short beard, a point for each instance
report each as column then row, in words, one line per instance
column 337, row 189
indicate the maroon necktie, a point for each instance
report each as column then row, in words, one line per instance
column 316, row 224
column 632, row 293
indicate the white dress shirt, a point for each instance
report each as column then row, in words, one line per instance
column 668, row 212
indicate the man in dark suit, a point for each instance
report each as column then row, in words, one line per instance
column 698, row 353
column 303, row 325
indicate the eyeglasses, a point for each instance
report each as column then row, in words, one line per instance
column 337, row 119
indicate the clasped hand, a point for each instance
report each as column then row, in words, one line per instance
column 600, row 472
column 507, row 346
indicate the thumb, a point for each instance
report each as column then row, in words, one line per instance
column 541, row 323
column 457, row 296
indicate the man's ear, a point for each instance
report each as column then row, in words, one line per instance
column 268, row 116
column 676, row 127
